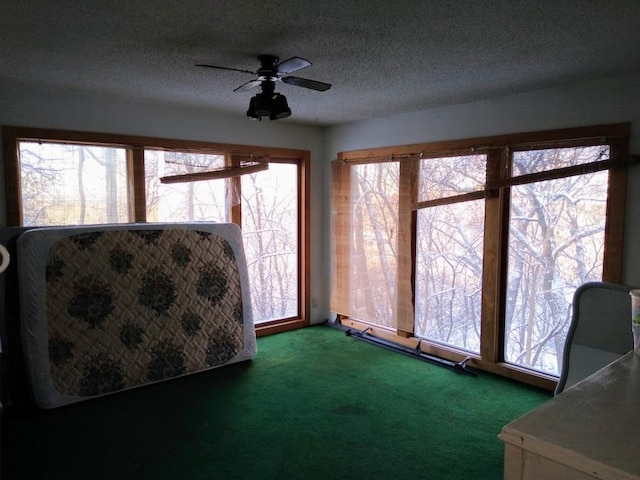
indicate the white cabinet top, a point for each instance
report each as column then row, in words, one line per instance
column 593, row 426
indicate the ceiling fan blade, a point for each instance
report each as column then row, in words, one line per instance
column 248, row 86
column 303, row 82
column 226, row 68
column 293, row 64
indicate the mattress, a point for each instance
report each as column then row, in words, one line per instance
column 106, row 309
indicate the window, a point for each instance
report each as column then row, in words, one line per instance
column 449, row 253
column 474, row 248
column 269, row 225
column 556, row 243
column 73, row 178
column 68, row 184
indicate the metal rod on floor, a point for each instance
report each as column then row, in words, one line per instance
column 458, row 367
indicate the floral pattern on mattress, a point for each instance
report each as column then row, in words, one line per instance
column 129, row 307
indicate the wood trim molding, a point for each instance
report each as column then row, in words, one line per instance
column 278, row 326
column 71, row 136
column 614, row 229
column 12, row 187
column 137, row 184
column 527, row 140
column 304, row 239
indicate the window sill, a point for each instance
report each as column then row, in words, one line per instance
column 277, row 326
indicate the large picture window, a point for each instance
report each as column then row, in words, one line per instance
column 75, row 178
column 556, row 243
column 480, row 243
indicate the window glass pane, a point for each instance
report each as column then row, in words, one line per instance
column 448, row 176
column 72, row 184
column 535, row 161
column 449, row 274
column 199, row 201
column 270, row 233
column 556, row 243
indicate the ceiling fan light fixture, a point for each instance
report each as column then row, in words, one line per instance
column 264, row 104
column 251, row 113
column 280, row 107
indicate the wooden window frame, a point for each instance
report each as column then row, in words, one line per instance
column 497, row 196
column 135, row 146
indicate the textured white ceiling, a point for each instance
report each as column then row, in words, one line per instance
column 383, row 57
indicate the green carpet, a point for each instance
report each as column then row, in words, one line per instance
column 314, row 404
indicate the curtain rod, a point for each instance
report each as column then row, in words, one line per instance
column 224, row 172
column 631, row 159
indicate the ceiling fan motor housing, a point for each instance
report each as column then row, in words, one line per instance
column 268, row 66
column 265, row 98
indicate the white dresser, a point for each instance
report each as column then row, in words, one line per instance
column 591, row 430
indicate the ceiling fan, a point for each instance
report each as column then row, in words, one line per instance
column 269, row 103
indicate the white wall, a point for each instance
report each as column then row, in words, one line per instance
column 42, row 108
column 593, row 103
